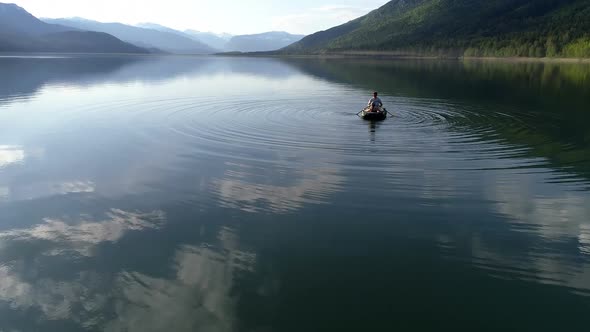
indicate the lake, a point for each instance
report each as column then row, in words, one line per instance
column 244, row 194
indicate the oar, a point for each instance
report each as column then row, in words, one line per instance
column 361, row 111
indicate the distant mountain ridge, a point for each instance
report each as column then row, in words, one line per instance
column 267, row 41
column 15, row 19
column 22, row 32
column 534, row 28
column 212, row 40
column 150, row 38
column 218, row 41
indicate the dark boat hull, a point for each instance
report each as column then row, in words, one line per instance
column 374, row 116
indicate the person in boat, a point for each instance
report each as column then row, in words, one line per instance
column 375, row 103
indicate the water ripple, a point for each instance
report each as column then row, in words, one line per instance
column 437, row 134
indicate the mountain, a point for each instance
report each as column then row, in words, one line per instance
column 553, row 28
column 268, row 41
column 22, row 32
column 16, row 20
column 218, row 41
column 158, row 27
column 150, row 38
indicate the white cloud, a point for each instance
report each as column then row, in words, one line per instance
column 4, row 193
column 533, row 206
column 17, row 192
column 554, row 215
column 197, row 296
column 83, row 299
column 10, row 155
column 313, row 186
column 86, row 234
column 319, row 18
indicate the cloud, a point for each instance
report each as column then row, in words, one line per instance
column 53, row 298
column 555, row 215
column 10, row 155
column 196, row 296
column 312, row 185
column 554, row 218
column 85, row 235
column 199, row 298
column 318, row 18
column 18, row 192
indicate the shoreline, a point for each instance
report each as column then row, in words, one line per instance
column 399, row 56
column 528, row 59
column 375, row 55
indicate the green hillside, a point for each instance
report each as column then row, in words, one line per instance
column 534, row 28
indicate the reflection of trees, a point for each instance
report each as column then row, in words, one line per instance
column 24, row 77
column 517, row 83
column 550, row 99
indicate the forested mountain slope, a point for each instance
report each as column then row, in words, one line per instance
column 537, row 28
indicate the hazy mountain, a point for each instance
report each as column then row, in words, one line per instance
column 151, row 38
column 16, row 20
column 462, row 27
column 215, row 41
column 155, row 26
column 218, row 41
column 267, row 41
column 22, row 32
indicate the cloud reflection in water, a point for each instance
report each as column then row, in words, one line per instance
column 10, row 155
column 242, row 190
column 83, row 236
column 544, row 223
column 25, row 286
column 197, row 296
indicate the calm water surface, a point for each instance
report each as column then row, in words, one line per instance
column 236, row 194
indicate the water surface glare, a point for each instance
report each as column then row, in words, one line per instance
column 243, row 194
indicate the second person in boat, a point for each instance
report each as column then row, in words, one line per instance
column 375, row 103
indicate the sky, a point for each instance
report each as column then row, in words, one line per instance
column 231, row 16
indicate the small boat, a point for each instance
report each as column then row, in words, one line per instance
column 380, row 114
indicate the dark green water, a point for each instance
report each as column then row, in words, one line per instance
column 237, row 194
